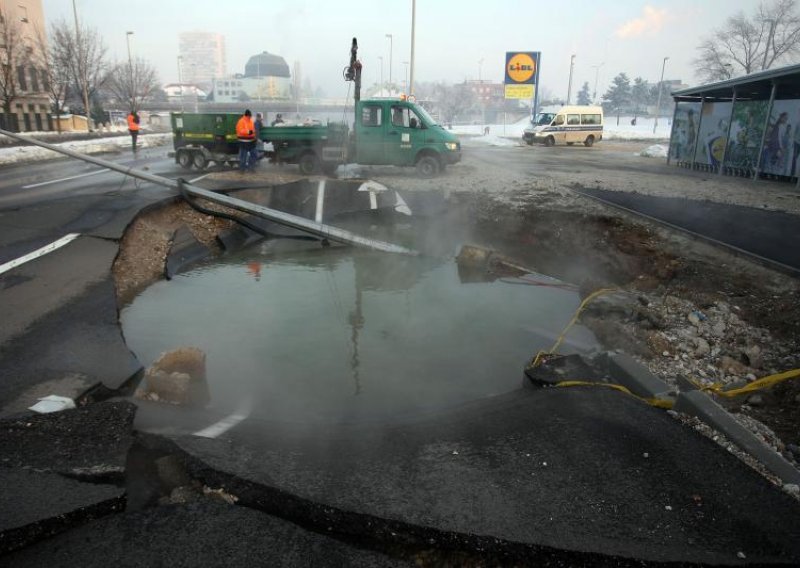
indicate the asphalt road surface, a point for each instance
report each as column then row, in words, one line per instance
column 558, row 477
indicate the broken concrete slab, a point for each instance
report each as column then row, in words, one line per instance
column 197, row 534
column 91, row 442
column 582, row 475
column 35, row 505
column 184, row 250
column 699, row 404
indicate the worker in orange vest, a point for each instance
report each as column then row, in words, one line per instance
column 246, row 135
column 133, row 127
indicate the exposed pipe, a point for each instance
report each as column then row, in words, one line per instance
column 329, row 232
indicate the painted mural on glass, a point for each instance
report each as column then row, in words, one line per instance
column 713, row 135
column 684, row 131
column 747, row 129
column 781, row 152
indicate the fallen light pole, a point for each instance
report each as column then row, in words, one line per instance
column 322, row 230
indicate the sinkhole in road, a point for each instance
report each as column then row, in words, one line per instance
column 305, row 333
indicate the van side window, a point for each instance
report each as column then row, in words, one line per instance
column 590, row 119
column 371, row 116
column 403, row 117
column 573, row 119
column 559, row 120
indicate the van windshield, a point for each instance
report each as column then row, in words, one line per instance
column 425, row 116
column 543, row 118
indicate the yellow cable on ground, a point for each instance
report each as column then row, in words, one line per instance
column 657, row 402
column 537, row 360
column 756, row 385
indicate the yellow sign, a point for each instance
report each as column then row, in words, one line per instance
column 521, row 68
column 519, row 91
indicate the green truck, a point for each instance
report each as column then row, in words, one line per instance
column 387, row 132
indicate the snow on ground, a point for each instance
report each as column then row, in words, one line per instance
column 654, row 151
column 20, row 154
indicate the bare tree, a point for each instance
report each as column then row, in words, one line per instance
column 133, row 82
column 745, row 44
column 14, row 57
column 54, row 65
column 86, row 60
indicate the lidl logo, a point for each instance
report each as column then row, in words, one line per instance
column 521, row 67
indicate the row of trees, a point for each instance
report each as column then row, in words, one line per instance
column 64, row 63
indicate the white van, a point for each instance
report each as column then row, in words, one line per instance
column 567, row 125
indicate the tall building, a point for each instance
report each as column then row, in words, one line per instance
column 30, row 107
column 202, row 57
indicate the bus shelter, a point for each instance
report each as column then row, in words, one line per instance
column 748, row 126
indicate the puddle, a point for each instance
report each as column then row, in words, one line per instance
column 340, row 335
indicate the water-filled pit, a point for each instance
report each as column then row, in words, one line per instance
column 299, row 332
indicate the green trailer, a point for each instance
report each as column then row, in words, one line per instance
column 202, row 138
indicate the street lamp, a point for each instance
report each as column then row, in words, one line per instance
column 480, row 65
column 406, row 87
column 391, row 45
column 596, row 75
column 130, row 71
column 381, row 85
column 660, row 88
column 569, row 86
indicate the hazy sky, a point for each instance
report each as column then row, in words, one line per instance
column 451, row 35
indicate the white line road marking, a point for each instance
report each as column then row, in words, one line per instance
column 65, row 240
column 373, row 200
column 228, row 422
column 199, row 178
column 320, row 201
column 94, row 173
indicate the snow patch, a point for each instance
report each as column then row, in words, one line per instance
column 654, row 151
column 21, row 154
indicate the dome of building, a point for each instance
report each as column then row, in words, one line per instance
column 266, row 65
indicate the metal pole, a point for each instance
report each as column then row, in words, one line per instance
column 413, row 31
column 322, row 230
column 180, row 80
column 130, row 71
column 391, row 42
column 697, row 134
column 406, row 85
column 766, row 127
column 381, row 89
column 728, row 135
column 660, row 89
column 769, row 39
column 480, row 68
column 82, row 68
column 569, row 88
column 672, row 133
column 596, row 76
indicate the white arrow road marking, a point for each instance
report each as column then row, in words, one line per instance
column 219, row 428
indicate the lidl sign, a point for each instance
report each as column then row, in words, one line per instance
column 522, row 67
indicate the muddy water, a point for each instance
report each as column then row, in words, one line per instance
column 342, row 335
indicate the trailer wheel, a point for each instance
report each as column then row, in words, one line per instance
column 184, row 158
column 308, row 163
column 589, row 141
column 199, row 161
column 428, row 166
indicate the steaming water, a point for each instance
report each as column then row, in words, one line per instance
column 343, row 335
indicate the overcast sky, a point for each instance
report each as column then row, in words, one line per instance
column 451, row 35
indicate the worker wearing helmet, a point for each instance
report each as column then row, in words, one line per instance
column 246, row 135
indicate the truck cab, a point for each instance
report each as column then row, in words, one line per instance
column 401, row 133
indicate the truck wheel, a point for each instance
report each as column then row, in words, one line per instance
column 308, row 163
column 549, row 141
column 428, row 166
column 184, row 158
column 589, row 141
column 199, row 161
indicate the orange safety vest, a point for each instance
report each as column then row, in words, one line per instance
column 245, row 130
column 131, row 124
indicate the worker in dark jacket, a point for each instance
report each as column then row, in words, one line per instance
column 246, row 135
column 133, row 128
